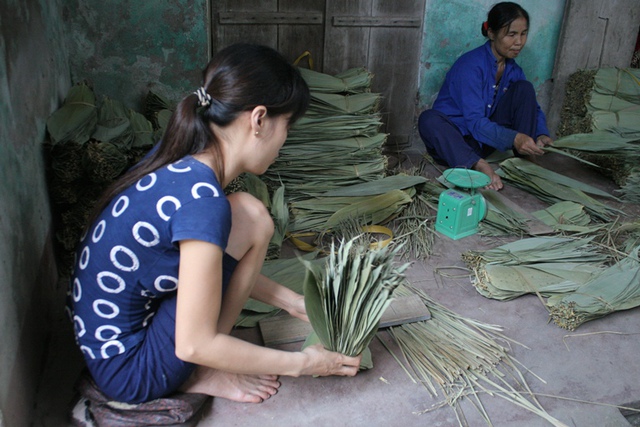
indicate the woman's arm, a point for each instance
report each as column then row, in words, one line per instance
column 200, row 309
column 271, row 292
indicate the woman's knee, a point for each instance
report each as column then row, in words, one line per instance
column 250, row 216
column 524, row 89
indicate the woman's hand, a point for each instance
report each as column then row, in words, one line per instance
column 323, row 362
column 544, row 140
column 526, row 146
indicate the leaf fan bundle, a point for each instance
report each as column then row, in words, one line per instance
column 347, row 298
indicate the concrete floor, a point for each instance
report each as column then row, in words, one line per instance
column 598, row 363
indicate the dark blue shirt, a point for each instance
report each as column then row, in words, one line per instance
column 469, row 96
column 128, row 261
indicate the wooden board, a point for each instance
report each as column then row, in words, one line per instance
column 283, row 329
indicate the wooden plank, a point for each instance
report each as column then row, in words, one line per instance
column 376, row 21
column 271, row 18
column 284, row 329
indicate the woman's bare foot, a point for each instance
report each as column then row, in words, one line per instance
column 236, row 387
column 483, row 166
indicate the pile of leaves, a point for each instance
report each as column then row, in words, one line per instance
column 90, row 145
column 600, row 123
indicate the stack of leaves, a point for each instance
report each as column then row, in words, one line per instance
column 613, row 289
column 337, row 143
column 553, row 187
column 601, row 123
column 539, row 265
column 158, row 110
column 346, row 299
column 371, row 203
column 501, row 219
column 463, row 358
column 89, row 146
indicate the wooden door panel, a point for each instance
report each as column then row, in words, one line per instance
column 380, row 35
column 385, row 37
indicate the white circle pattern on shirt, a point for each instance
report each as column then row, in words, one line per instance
column 116, row 332
column 115, row 310
column 175, row 169
column 100, row 228
column 87, row 350
column 78, row 325
column 165, row 278
column 196, row 187
column 164, row 200
column 84, row 258
column 135, row 263
column 118, row 210
column 145, row 322
column 145, row 225
column 77, row 290
column 101, row 282
column 141, row 187
column 103, row 349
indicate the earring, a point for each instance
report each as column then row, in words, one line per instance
column 257, row 132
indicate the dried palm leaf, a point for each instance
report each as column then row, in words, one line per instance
column 463, row 358
column 353, row 80
column 346, row 298
column 552, row 187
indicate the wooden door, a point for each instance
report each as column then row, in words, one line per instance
column 383, row 36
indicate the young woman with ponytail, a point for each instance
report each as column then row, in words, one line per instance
column 485, row 102
column 168, row 260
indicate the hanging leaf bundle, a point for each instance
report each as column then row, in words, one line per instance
column 553, row 187
column 346, row 299
column 89, row 148
column 104, row 162
column 614, row 289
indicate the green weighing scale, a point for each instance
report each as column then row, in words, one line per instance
column 459, row 212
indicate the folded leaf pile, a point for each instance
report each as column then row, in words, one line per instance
column 90, row 145
column 571, row 273
column 337, row 143
column 553, row 187
column 601, row 123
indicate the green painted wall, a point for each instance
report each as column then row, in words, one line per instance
column 452, row 28
column 124, row 48
column 34, row 78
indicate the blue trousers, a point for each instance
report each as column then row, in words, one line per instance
column 517, row 110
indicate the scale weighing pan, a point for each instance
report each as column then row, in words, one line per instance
column 466, row 178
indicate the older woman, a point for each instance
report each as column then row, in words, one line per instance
column 486, row 103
